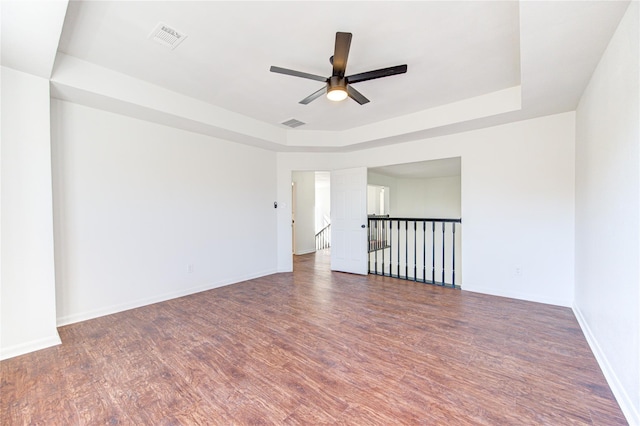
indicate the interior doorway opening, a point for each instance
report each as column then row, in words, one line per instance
column 378, row 197
column 310, row 210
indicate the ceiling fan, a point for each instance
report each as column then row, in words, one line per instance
column 338, row 87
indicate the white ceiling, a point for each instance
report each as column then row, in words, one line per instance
column 471, row 64
column 453, row 51
column 446, row 167
column 30, row 31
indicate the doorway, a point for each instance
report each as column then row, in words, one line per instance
column 310, row 209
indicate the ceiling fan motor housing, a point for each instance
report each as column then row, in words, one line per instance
column 336, row 82
column 337, row 88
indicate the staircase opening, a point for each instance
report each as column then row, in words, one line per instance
column 414, row 223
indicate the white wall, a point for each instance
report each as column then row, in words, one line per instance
column 607, row 296
column 27, row 286
column 517, row 202
column 428, row 197
column 145, row 212
column 434, row 197
column 305, row 211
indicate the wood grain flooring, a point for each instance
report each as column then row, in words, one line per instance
column 315, row 347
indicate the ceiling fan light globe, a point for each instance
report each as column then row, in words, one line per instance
column 337, row 94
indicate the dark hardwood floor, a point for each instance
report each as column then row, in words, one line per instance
column 315, row 347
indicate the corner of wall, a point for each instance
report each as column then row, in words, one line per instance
column 623, row 398
column 32, row 346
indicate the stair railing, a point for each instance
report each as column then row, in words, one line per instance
column 416, row 249
column 323, row 238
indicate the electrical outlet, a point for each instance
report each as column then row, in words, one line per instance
column 518, row 271
column 190, row 268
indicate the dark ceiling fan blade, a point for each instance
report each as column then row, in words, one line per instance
column 313, row 96
column 341, row 53
column 356, row 96
column 383, row 72
column 298, row 74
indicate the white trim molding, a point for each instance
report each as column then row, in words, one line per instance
column 624, row 400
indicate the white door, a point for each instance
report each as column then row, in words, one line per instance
column 349, row 220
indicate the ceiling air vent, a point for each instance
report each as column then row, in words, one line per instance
column 293, row 123
column 167, row 36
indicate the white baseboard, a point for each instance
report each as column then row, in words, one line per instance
column 108, row 310
column 624, row 400
column 307, row 251
column 520, row 296
column 32, row 346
